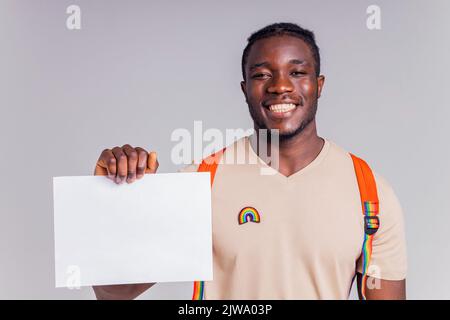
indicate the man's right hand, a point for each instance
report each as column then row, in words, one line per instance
column 122, row 164
column 126, row 163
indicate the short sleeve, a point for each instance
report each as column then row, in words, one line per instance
column 389, row 260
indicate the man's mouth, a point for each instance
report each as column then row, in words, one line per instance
column 280, row 111
column 282, row 107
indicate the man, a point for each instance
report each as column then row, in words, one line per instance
column 308, row 242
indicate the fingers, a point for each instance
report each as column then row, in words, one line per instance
column 122, row 164
column 141, row 162
column 152, row 163
column 126, row 163
column 106, row 164
column 132, row 160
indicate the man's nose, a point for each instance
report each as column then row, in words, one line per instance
column 280, row 84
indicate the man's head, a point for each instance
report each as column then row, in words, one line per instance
column 282, row 81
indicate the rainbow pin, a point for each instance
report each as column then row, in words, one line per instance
column 248, row 214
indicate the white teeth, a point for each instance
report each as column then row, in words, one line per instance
column 285, row 107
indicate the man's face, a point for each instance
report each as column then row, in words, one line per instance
column 281, row 86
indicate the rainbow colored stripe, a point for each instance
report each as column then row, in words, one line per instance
column 371, row 210
column 367, row 253
column 248, row 214
column 199, row 290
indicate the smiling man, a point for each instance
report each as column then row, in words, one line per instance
column 297, row 233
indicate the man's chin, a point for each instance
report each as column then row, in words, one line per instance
column 285, row 131
column 282, row 133
column 286, row 134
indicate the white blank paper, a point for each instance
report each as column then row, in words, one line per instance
column 156, row 229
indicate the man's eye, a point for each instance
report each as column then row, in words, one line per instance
column 259, row 76
column 298, row 73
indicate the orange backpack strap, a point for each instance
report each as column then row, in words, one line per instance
column 208, row 164
column 369, row 203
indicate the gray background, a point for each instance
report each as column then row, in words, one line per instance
column 138, row 70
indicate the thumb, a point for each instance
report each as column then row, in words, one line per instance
column 100, row 171
column 152, row 163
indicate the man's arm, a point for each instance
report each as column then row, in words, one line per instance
column 385, row 290
column 388, row 263
column 121, row 291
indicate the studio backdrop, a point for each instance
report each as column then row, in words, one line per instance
column 135, row 71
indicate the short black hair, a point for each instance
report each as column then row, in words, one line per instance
column 280, row 29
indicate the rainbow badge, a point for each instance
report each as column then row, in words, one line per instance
column 248, row 214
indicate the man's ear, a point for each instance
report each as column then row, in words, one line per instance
column 320, row 83
column 243, row 89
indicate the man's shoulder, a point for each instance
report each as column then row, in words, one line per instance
column 385, row 190
column 381, row 181
column 337, row 150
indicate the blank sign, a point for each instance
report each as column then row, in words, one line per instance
column 157, row 229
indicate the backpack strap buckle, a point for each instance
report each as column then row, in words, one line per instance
column 371, row 224
column 371, row 221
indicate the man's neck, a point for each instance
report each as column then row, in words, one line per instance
column 295, row 153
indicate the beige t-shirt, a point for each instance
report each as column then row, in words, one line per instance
column 307, row 244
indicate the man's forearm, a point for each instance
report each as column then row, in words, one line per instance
column 121, row 291
column 386, row 290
